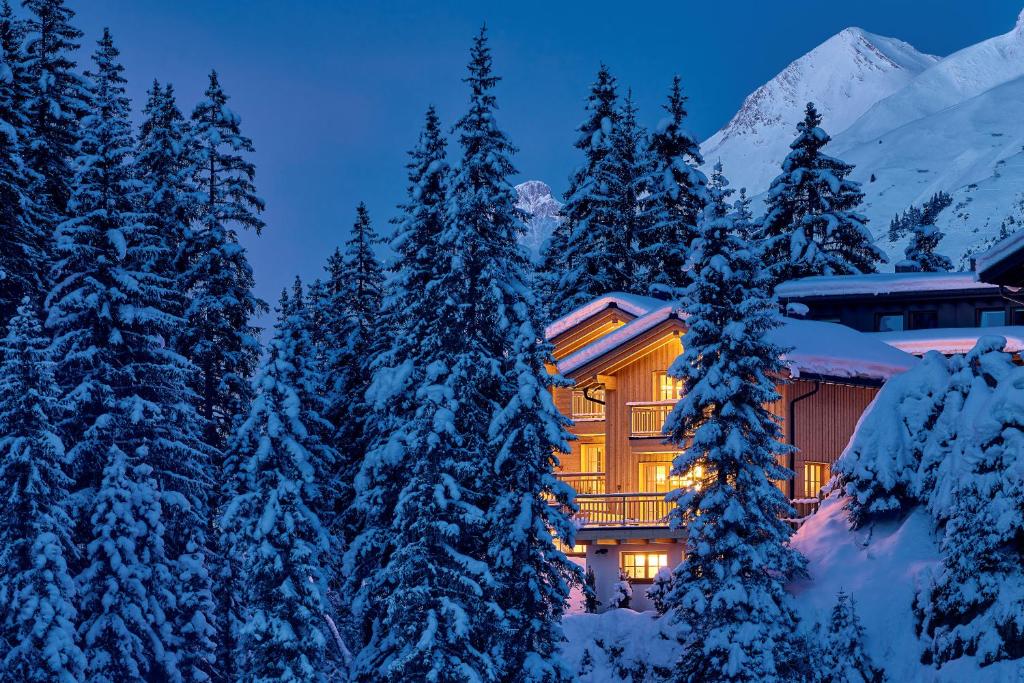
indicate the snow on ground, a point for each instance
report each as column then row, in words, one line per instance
column 880, row 567
column 617, row 645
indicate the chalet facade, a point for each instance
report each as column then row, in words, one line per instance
column 616, row 351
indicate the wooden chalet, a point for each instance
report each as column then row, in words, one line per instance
column 616, row 351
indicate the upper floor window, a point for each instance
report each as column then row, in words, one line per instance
column 991, row 317
column 656, row 476
column 924, row 320
column 889, row 322
column 592, row 457
column 666, row 388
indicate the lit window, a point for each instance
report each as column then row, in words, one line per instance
column 992, row 317
column 642, row 566
column 592, row 457
column 890, row 322
column 816, row 475
column 666, row 388
column 656, row 477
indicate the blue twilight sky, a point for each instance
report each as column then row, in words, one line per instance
column 333, row 92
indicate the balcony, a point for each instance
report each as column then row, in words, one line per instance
column 621, row 510
column 584, row 409
column 586, row 483
column 647, row 419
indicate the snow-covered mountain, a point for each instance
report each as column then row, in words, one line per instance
column 844, row 76
column 952, row 124
column 536, row 200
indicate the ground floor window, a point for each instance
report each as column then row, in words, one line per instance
column 642, row 566
column 816, row 475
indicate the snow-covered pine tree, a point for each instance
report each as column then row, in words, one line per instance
column 280, row 541
column 56, row 100
column 349, row 331
column 628, row 190
column 24, row 244
column 811, row 221
column 524, row 430
column 131, row 423
column 219, row 337
column 728, row 596
column 920, row 254
column 467, row 594
column 37, row 591
column 973, row 604
column 164, row 162
column 843, row 657
column 410, row 301
column 12, row 46
column 678, row 195
column 569, row 268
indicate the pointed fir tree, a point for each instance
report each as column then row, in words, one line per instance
column 450, row 602
column 219, row 337
column 132, row 422
column 349, row 328
column 811, row 223
column 24, row 244
column 843, row 657
column 628, row 191
column 37, row 592
column 728, row 595
column 573, row 259
column 920, row 253
column 12, row 46
column 410, row 300
column 280, row 539
column 678, row 195
column 164, row 162
column 56, row 100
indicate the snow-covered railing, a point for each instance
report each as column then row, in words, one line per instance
column 587, row 483
column 805, row 507
column 648, row 418
column 623, row 510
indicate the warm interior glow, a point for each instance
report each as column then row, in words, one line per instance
column 642, row 566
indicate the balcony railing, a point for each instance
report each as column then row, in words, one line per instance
column 585, row 409
column 623, row 510
column 587, row 483
column 648, row 418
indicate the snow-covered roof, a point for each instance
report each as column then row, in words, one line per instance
column 951, row 340
column 614, row 340
column 878, row 283
column 817, row 348
column 1002, row 249
column 634, row 304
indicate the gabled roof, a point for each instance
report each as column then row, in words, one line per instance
column 816, row 348
column 634, row 304
column 878, row 284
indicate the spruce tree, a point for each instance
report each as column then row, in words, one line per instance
column 728, row 595
column 920, row 254
column 678, row 195
column 131, row 421
column 417, row 274
column 219, row 337
column 843, row 657
column 280, row 539
column 628, row 192
column 37, row 592
column 24, row 244
column 811, row 223
column 56, row 100
column 473, row 587
column 574, row 256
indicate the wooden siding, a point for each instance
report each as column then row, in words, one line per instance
column 591, row 329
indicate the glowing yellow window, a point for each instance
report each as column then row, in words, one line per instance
column 592, row 457
column 656, row 477
column 642, row 566
column 666, row 388
column 816, row 475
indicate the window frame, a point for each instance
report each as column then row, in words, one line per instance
column 980, row 312
column 825, row 473
column 912, row 314
column 646, row 554
column 893, row 314
column 660, row 379
column 598, row 445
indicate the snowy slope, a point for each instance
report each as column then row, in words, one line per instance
column 844, row 76
column 536, row 200
column 950, row 124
